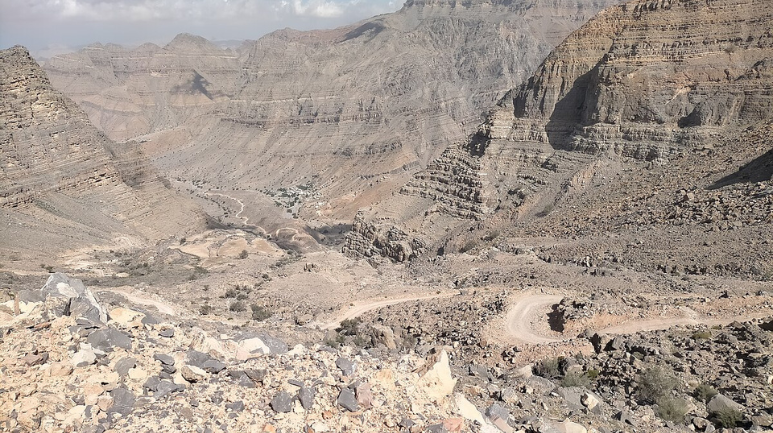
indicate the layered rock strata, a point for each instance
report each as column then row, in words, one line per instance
column 59, row 172
column 643, row 81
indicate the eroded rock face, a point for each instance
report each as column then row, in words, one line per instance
column 56, row 170
column 647, row 80
column 372, row 102
column 367, row 240
column 642, row 81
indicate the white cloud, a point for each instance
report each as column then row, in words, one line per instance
column 41, row 23
column 147, row 10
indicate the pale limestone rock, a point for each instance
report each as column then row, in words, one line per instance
column 468, row 411
column 438, row 383
column 59, row 369
column 137, row 374
column 589, row 400
column 193, row 374
column 126, row 317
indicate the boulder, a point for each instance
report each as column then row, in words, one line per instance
column 437, row 382
column 78, row 301
column 720, row 403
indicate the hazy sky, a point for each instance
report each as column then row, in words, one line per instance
column 45, row 26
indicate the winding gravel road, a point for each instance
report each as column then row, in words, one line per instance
column 363, row 307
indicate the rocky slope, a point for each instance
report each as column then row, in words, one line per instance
column 71, row 361
column 63, row 184
column 353, row 111
column 634, row 107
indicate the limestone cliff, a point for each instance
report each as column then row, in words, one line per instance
column 355, row 110
column 647, row 80
column 642, row 81
column 63, row 180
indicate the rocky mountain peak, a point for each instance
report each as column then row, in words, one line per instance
column 187, row 41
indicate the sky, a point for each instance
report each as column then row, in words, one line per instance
column 48, row 27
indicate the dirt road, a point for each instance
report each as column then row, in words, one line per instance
column 241, row 203
column 529, row 310
column 362, row 307
column 527, row 321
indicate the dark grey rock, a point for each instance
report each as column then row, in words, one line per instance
column 306, row 396
column 123, row 366
column 236, row 406
column 282, row 402
column 205, row 362
column 436, row 428
column 256, row 375
column 347, row 400
column 123, row 401
column 167, row 333
column 167, row 387
column 246, row 382
column 347, row 367
column 78, row 300
column 168, row 369
column 213, row 366
column 106, row 339
column 164, row 359
column 295, row 382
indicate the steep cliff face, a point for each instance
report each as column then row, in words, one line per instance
column 646, row 81
column 355, row 110
column 63, row 184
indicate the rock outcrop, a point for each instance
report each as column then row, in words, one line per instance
column 57, row 172
column 647, row 80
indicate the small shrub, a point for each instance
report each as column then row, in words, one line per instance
column 704, row 392
column 575, row 379
column 231, row 293
column 237, row 307
column 727, row 418
column 361, row 341
column 656, row 382
column 260, row 313
column 243, row 255
column 349, row 326
column 593, row 374
column 182, row 241
column 701, row 335
column 335, row 343
column 672, row 408
column 549, row 368
column 205, row 310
